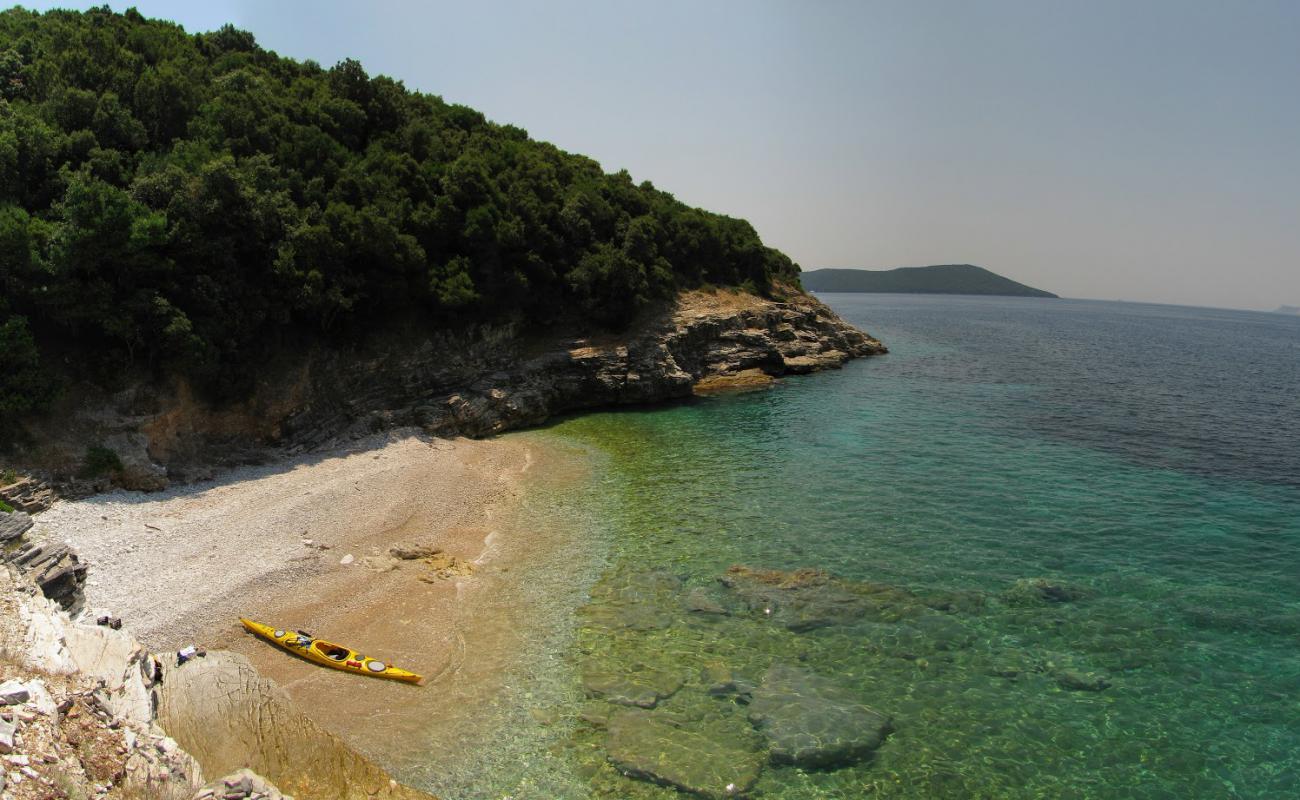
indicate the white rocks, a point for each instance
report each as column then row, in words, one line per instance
column 8, row 732
column 347, row 559
column 13, row 693
column 41, row 700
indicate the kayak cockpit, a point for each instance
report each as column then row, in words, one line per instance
column 332, row 651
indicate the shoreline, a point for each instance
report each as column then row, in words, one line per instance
column 181, row 566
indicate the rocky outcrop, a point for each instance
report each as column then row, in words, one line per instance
column 26, row 493
column 475, row 384
column 55, row 568
column 81, row 717
column 242, row 784
column 96, row 709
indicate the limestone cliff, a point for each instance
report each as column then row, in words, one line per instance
column 476, row 384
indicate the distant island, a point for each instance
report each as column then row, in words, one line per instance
column 939, row 279
column 1280, row 309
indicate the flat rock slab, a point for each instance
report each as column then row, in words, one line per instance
column 644, row 690
column 634, row 601
column 13, row 525
column 810, row 721
column 13, row 693
column 717, row 758
column 807, row 599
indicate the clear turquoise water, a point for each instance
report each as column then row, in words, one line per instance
column 1149, row 455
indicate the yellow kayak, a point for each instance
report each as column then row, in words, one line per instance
column 328, row 654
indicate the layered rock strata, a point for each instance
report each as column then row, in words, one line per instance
column 476, row 384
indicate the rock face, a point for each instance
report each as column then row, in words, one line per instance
column 716, row 759
column 470, row 384
column 26, row 494
column 115, row 716
column 83, row 716
column 812, row 722
column 55, row 568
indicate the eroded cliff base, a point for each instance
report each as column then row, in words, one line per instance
column 473, row 384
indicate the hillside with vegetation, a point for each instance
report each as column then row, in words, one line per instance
column 188, row 204
column 939, row 279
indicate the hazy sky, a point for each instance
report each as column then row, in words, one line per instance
column 1135, row 150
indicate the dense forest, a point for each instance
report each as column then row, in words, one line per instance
column 186, row 203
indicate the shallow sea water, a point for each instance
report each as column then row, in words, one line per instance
column 1146, row 456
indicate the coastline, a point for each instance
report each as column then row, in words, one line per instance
column 386, row 535
column 180, row 567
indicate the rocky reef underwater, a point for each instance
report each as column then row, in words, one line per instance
column 752, row 684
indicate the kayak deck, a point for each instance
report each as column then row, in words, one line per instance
column 329, row 654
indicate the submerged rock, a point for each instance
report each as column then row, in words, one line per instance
column 807, row 599
column 811, row 721
column 716, row 758
column 640, row 601
column 644, row 690
column 1075, row 680
column 701, row 601
column 1041, row 591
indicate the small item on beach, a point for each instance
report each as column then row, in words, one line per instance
column 185, row 654
column 347, row 559
column 328, row 654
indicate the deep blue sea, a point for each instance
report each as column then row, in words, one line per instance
column 1142, row 459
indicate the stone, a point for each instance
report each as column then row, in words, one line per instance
column 639, row 601
column 138, row 470
column 717, row 678
column 1074, row 680
column 715, row 759
column 807, row 599
column 8, row 731
column 14, row 524
column 13, row 693
column 41, row 700
column 700, row 601
column 347, row 559
column 243, row 784
column 413, row 553
column 813, row 722
column 1041, row 591
column 643, row 690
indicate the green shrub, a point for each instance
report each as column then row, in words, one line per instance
column 99, row 461
column 6, row 508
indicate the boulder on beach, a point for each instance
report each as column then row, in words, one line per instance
column 813, row 722
column 716, row 758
